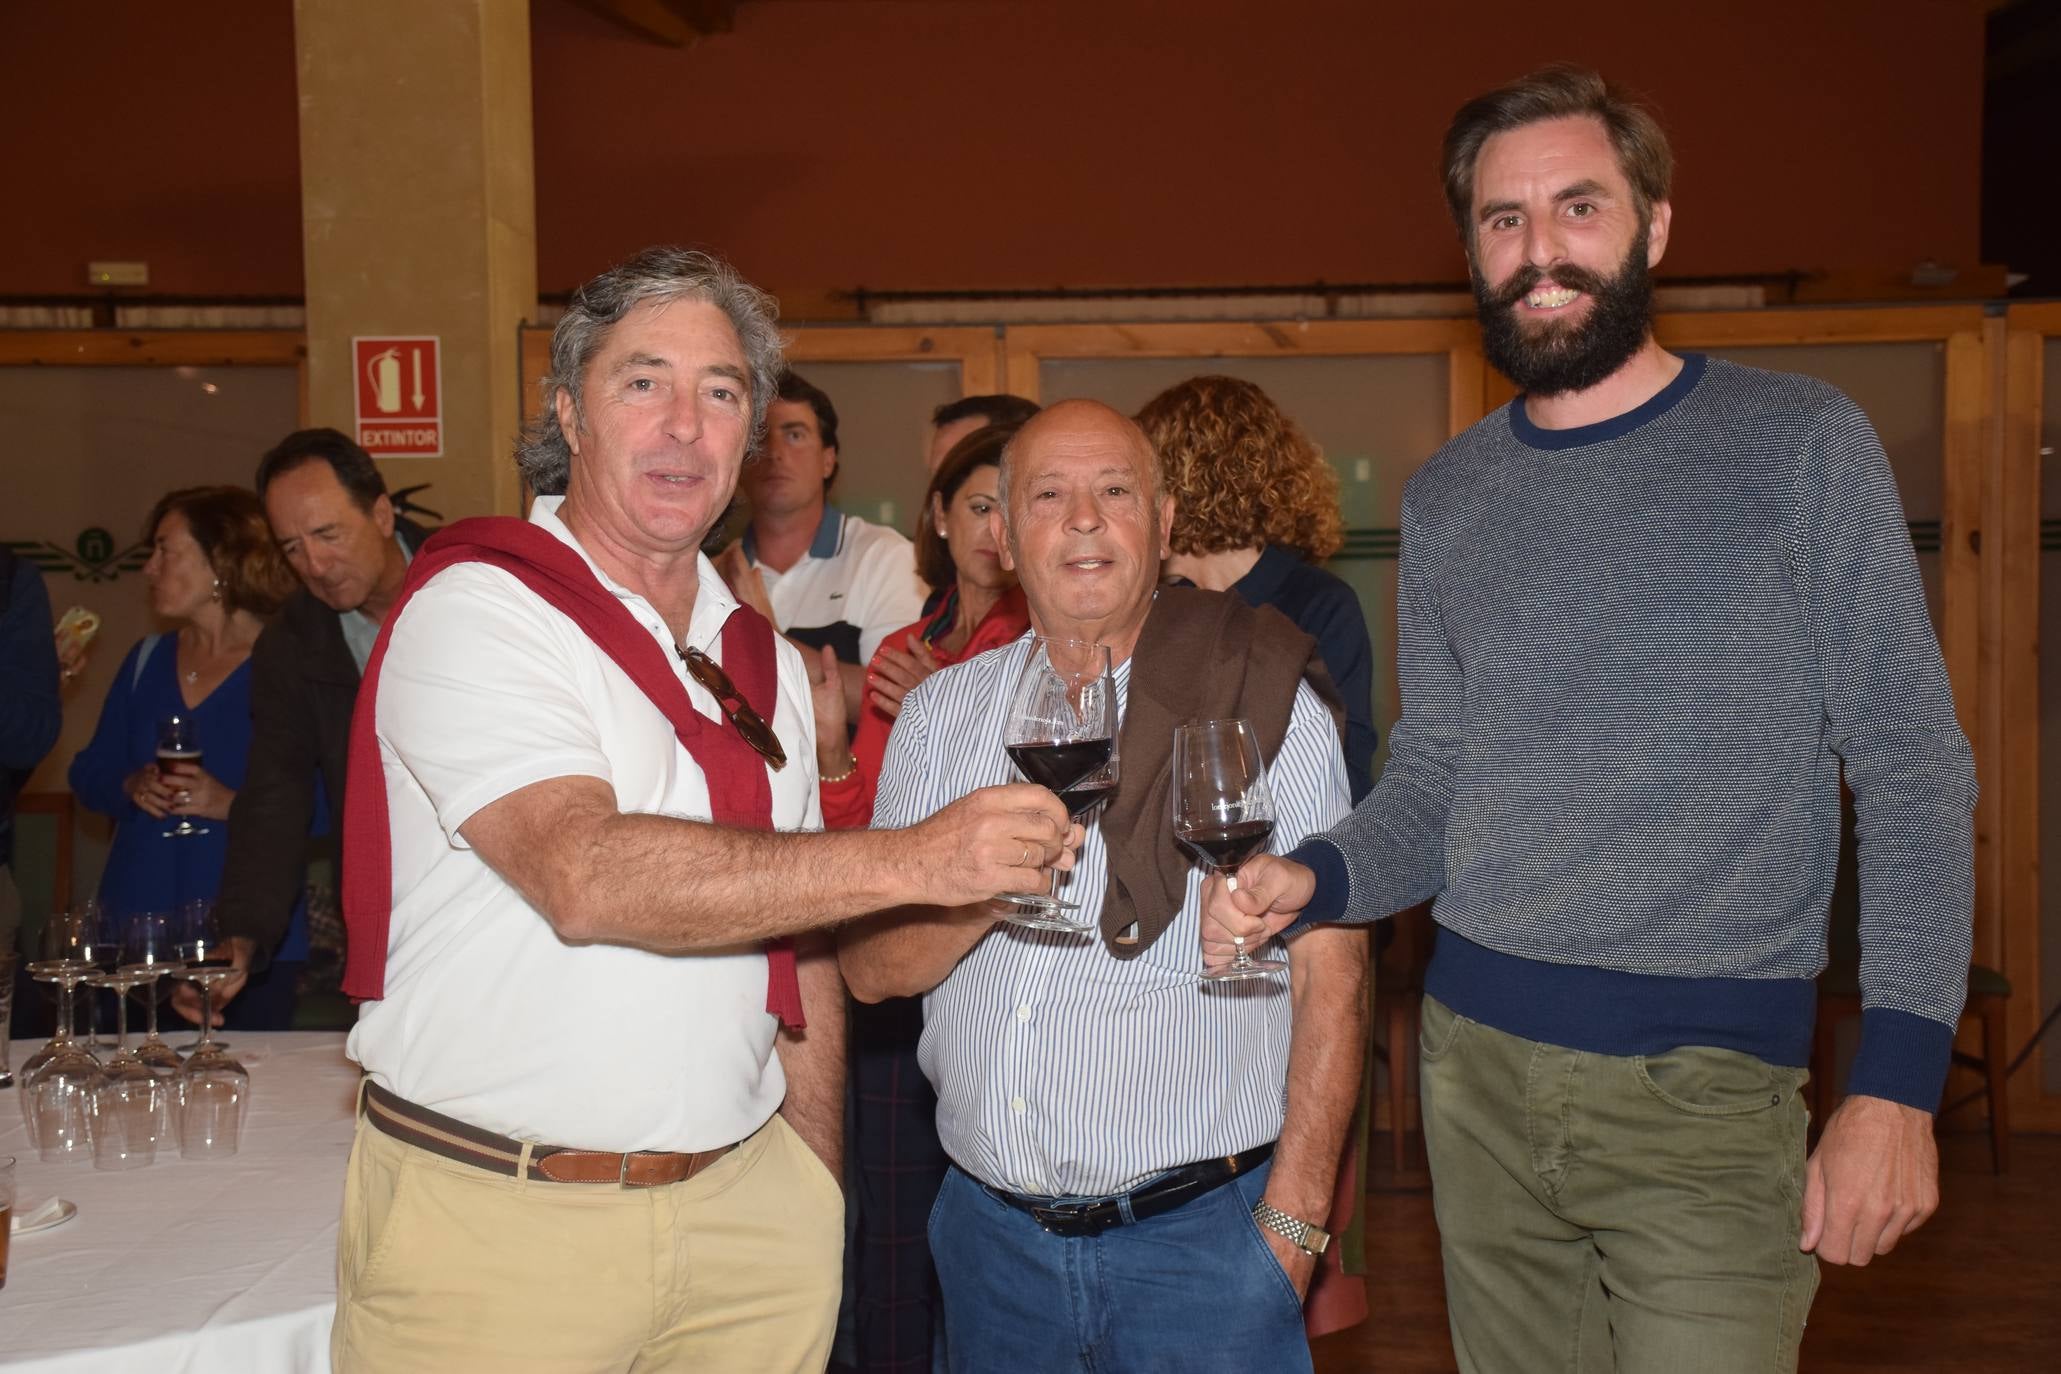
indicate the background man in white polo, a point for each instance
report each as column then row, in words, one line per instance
column 570, row 1155
column 826, row 579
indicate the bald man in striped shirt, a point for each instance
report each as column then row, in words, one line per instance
column 1141, row 1163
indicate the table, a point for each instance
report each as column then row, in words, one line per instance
column 191, row 1265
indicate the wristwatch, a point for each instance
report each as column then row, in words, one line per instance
column 1306, row 1236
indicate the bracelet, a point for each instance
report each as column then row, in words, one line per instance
column 1305, row 1236
column 846, row 775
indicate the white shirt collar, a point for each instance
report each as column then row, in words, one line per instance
column 713, row 602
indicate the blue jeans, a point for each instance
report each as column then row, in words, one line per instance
column 1194, row 1290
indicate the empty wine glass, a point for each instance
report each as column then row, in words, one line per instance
column 1060, row 731
column 59, row 948
column 6, row 1015
column 57, row 1093
column 203, row 954
column 150, row 948
column 214, row 1094
column 100, row 938
column 129, row 1116
column 1224, row 812
column 179, row 742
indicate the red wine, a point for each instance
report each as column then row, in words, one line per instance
column 1079, row 801
column 1060, row 766
column 1225, row 847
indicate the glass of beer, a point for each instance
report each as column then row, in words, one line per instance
column 178, row 743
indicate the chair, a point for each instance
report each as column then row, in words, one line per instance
column 1839, row 999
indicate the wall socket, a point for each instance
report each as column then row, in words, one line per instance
column 117, row 274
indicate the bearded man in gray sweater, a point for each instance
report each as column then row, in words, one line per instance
column 1649, row 612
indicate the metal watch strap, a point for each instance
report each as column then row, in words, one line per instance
column 1306, row 1236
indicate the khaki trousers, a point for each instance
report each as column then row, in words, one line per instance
column 444, row 1267
column 1598, row 1212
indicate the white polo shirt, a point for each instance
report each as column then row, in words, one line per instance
column 489, row 1016
column 855, row 586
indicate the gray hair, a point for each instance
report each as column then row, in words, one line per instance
column 656, row 275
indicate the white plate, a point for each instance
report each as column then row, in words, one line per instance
column 44, row 1218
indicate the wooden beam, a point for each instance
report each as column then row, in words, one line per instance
column 972, row 347
column 675, row 23
column 2015, row 526
column 152, row 348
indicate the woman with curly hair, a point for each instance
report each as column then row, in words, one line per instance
column 216, row 575
column 1255, row 506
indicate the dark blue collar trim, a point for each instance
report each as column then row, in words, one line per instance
column 829, row 537
column 1617, row 426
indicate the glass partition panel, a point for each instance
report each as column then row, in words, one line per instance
column 1376, row 418
column 883, row 422
column 1902, row 387
column 89, row 452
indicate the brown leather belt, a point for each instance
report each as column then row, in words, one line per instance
column 442, row 1135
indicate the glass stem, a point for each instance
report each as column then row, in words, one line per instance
column 64, row 1013
column 207, row 1014
column 1240, row 959
column 150, row 1009
column 122, row 1018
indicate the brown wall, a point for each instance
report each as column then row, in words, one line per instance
column 1016, row 143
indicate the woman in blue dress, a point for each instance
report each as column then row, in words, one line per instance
column 215, row 573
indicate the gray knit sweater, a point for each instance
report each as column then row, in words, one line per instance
column 1634, row 656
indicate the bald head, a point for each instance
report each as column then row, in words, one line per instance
column 1082, row 523
column 1075, row 424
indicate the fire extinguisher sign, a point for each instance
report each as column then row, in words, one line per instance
column 400, row 396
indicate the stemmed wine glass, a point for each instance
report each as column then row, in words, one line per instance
column 1060, row 732
column 1223, row 812
column 203, row 955
column 128, row 1109
column 1081, row 799
column 60, row 1079
column 179, row 742
column 149, row 947
column 149, row 951
column 99, row 942
column 214, row 1088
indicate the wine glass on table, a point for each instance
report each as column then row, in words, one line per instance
column 100, row 939
column 1223, row 812
column 129, row 1116
column 149, row 946
column 213, row 1088
column 59, row 1080
column 202, row 952
column 1060, row 732
column 178, row 742
column 149, row 950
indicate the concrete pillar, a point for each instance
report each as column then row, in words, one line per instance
column 418, row 210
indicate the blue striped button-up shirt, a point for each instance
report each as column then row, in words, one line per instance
column 1062, row 1072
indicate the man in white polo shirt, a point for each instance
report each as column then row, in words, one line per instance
column 829, row 579
column 568, row 896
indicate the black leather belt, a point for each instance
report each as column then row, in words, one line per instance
column 1162, row 1195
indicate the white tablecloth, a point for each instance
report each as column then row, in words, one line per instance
column 187, row 1266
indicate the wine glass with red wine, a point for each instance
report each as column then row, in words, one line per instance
column 1061, row 734
column 1223, row 812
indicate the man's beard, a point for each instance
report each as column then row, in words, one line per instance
column 1553, row 358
